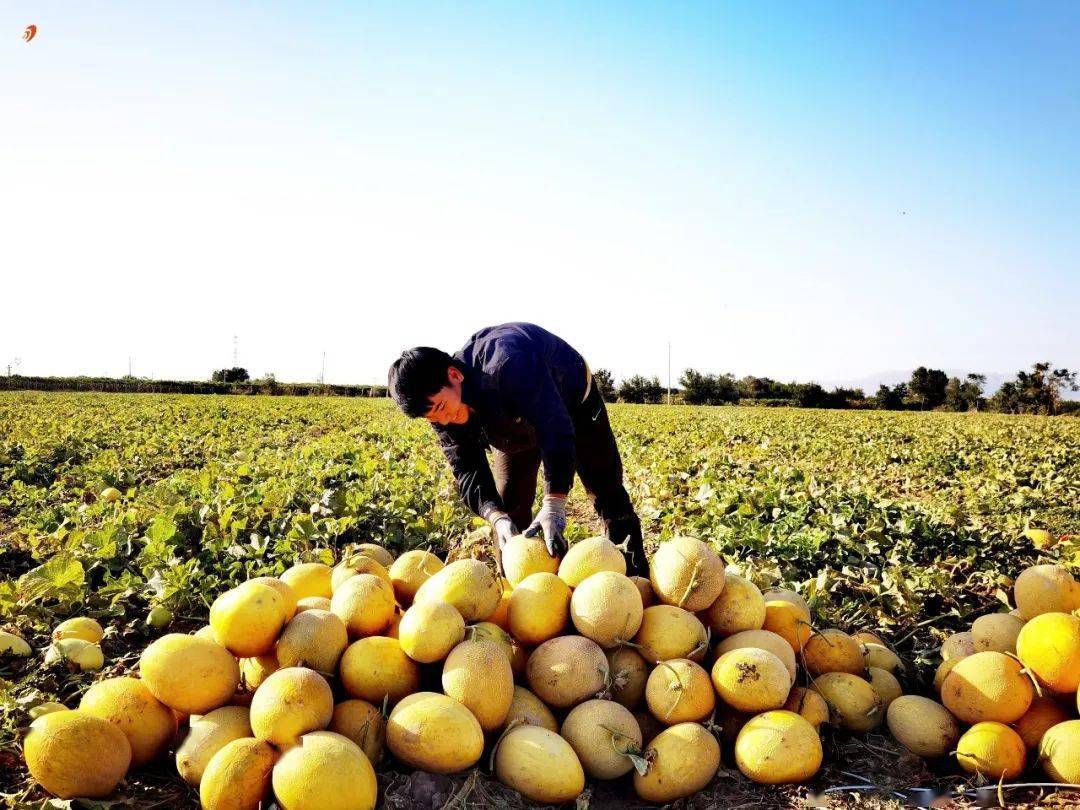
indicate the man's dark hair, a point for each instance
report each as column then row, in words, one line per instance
column 418, row 375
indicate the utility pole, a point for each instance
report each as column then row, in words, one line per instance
column 669, row 372
column 129, row 365
column 235, row 350
column 322, row 371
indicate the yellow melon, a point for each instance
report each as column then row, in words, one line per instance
column 309, row 579
column 606, row 608
column 987, row 686
column 684, row 759
column 290, row 703
column 923, row 726
column 430, row 630
column 358, row 564
column 687, row 573
column 365, row 603
column 740, row 606
column 853, row 703
column 238, row 776
column 206, row 736
column 1059, row 752
column 833, row 651
column 778, row 747
column 411, row 570
column 750, row 679
column 648, row 596
column 679, row 691
column 315, row 639
column 567, row 670
column 81, row 627
column 540, row 765
column 958, row 645
column 789, row 621
column 129, row 705
column 605, row 736
column 288, row 598
column 468, row 585
column 885, row 684
column 189, row 674
column 362, row 723
column 73, row 753
column 668, row 632
column 523, row 556
column 588, row 557
column 539, row 608
column 629, row 672
column 996, row 632
column 528, row 708
column 809, row 705
column 1043, row 714
column 377, row 669
column 993, row 750
column 1046, row 589
column 763, row 640
column 1049, row 646
column 434, row 733
column 477, row 674
column 324, row 771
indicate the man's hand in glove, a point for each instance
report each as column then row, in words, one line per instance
column 504, row 529
column 552, row 522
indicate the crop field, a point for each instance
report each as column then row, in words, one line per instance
column 907, row 524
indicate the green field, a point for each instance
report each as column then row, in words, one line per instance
column 905, row 522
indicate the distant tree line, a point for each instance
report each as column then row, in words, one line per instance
column 266, row 385
column 1038, row 391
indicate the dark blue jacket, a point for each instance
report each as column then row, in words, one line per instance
column 522, row 383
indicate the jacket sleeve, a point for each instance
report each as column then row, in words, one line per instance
column 465, row 452
column 526, row 382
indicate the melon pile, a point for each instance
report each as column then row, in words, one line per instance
column 563, row 672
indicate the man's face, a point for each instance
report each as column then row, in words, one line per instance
column 446, row 405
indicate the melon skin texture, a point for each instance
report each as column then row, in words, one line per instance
column 993, row 750
column 380, row 554
column 290, row 703
column 288, row 597
column 468, row 585
column 668, row 632
column 602, row 734
column 685, row 759
column 435, row 733
column 687, row 573
column 1059, row 752
column 853, row 703
column 789, row 621
column 206, row 736
column 996, row 632
column 81, row 627
column 629, row 674
column 377, row 669
column 362, row 723
column 309, row 579
column 786, row 595
column 740, row 606
column 523, row 556
column 539, row 608
column 607, row 608
column 14, row 645
column 190, row 674
column 361, row 564
column 1046, row 589
column 958, row 645
column 762, row 640
column 588, row 557
column 126, row 703
column 778, row 747
column 679, row 691
column 1049, row 646
column 567, row 670
column 750, row 679
column 477, row 674
column 315, row 639
column 987, row 686
column 238, row 776
column 324, row 771
column 411, row 570
column 430, row 630
column 880, row 656
column 365, row 603
column 923, row 726
column 72, row 753
column 528, row 708
column 1044, row 714
column 885, row 684
column 833, row 651
column 540, row 765
column 809, row 705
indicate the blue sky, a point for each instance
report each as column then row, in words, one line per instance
column 813, row 191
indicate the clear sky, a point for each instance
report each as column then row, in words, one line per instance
column 804, row 190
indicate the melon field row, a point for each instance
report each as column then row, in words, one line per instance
column 140, row 512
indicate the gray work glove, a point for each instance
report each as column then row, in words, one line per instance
column 552, row 521
column 504, row 529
